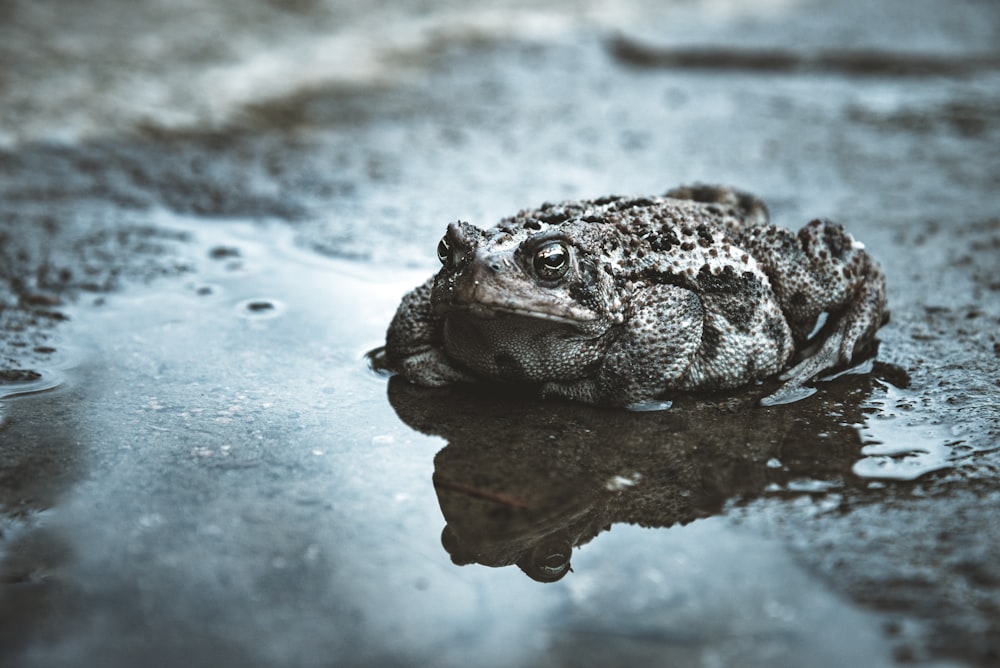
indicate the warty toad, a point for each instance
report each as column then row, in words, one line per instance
column 626, row 300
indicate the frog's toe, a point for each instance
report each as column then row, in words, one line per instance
column 430, row 368
column 829, row 354
column 826, row 357
column 789, row 392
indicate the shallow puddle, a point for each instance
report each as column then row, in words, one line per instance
column 215, row 462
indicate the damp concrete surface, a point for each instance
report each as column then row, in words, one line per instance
column 210, row 210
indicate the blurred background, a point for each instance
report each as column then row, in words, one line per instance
column 210, row 209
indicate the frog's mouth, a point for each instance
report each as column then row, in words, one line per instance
column 500, row 298
column 487, row 311
column 519, row 347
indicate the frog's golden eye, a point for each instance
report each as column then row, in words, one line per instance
column 445, row 251
column 551, row 261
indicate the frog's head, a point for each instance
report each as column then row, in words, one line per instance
column 518, row 299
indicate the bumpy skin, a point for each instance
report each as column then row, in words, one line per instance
column 624, row 300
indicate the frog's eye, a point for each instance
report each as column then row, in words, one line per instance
column 554, row 562
column 444, row 251
column 551, row 261
column 548, row 561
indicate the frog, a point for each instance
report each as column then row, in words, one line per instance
column 633, row 300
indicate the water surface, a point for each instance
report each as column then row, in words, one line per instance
column 208, row 214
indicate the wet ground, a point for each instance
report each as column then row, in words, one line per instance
column 209, row 211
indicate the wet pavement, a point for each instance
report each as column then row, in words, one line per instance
column 209, row 212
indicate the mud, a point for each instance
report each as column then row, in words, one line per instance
column 208, row 214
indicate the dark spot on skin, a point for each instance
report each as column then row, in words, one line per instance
column 734, row 295
column 835, row 239
column 687, row 231
column 665, row 240
column 583, row 294
column 607, row 199
column 711, row 341
column 775, row 331
column 584, row 291
column 740, row 314
column 634, row 203
column 724, row 281
column 687, row 246
column 554, row 218
column 532, row 225
column 704, row 235
column 507, row 366
column 798, row 298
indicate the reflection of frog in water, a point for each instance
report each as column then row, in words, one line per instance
column 524, row 483
column 625, row 300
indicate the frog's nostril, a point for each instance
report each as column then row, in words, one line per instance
column 495, row 262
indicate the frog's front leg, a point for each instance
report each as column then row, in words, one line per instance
column 414, row 343
column 648, row 356
column 822, row 270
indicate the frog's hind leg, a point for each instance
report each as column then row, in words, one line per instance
column 852, row 337
column 823, row 272
column 743, row 205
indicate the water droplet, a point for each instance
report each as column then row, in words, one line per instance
column 647, row 406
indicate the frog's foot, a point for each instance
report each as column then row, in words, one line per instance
column 428, row 367
column 850, row 337
column 377, row 360
column 795, row 379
